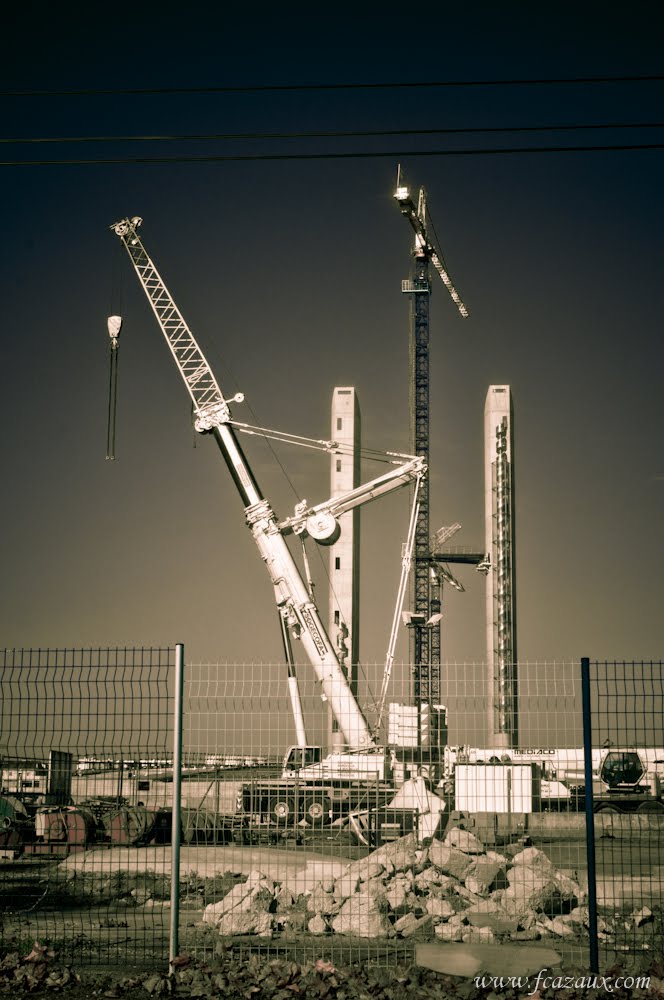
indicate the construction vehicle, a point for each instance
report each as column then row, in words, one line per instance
column 366, row 765
column 624, row 779
column 321, row 789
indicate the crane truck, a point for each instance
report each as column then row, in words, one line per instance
column 310, row 786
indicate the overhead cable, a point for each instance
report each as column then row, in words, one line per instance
column 351, row 133
column 255, row 157
column 286, row 87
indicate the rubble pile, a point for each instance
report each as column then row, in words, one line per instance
column 453, row 889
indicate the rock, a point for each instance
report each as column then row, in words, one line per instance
column 284, row 898
column 448, row 932
column 214, row 911
column 317, row 925
column 409, row 924
column 539, row 888
column 365, row 868
column 485, row 876
column 245, row 922
column 464, row 840
column 346, row 885
column 321, row 901
column 431, row 877
column 578, row 915
column 642, row 916
column 561, row 927
column 361, row 917
column 449, row 860
column 532, row 856
column 499, row 923
column 477, row 935
column 438, row 907
column 396, row 897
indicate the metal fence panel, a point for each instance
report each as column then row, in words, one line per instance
column 447, row 836
column 85, row 858
column 626, row 719
column 356, row 870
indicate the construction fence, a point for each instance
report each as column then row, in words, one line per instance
column 150, row 807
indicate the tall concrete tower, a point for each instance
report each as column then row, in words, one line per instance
column 345, row 553
column 501, row 578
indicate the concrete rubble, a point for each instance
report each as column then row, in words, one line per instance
column 453, row 890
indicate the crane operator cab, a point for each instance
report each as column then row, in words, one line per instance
column 622, row 767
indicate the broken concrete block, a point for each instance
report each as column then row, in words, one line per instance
column 431, row 877
column 448, row 859
column 396, row 897
column 240, row 898
column 484, row 876
column 532, row 856
column 320, row 901
column 477, row 935
column 561, row 927
column 365, row 868
column 539, row 888
column 317, row 925
column 464, row 841
column 346, row 885
column 238, row 922
column 439, row 907
column 409, row 924
column 361, row 917
column 448, row 931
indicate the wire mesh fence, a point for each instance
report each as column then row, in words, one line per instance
column 625, row 793
column 84, row 732
column 292, row 844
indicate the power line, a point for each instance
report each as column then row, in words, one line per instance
column 230, row 158
column 300, row 87
column 352, row 133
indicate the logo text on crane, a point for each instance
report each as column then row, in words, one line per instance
column 312, row 628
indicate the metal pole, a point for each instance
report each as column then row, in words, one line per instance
column 590, row 816
column 176, row 804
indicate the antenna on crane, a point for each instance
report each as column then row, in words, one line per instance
column 114, row 324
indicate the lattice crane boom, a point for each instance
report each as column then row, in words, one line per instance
column 299, row 613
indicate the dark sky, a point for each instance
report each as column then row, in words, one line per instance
column 289, row 273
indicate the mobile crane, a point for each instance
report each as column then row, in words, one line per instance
column 298, row 613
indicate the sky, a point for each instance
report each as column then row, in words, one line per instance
column 289, row 273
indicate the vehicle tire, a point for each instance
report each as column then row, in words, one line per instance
column 608, row 809
column 282, row 810
column 650, row 807
column 315, row 811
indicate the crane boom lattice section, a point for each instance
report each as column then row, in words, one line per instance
column 209, row 404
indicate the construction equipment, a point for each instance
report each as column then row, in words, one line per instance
column 425, row 645
column 297, row 609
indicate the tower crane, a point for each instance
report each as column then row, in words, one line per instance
column 299, row 615
column 425, row 648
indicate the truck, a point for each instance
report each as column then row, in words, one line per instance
column 624, row 779
column 321, row 789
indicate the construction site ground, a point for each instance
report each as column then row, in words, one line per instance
column 120, row 941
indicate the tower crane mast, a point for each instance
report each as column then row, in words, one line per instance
column 425, row 648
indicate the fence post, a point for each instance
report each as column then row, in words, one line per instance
column 177, row 797
column 590, row 816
